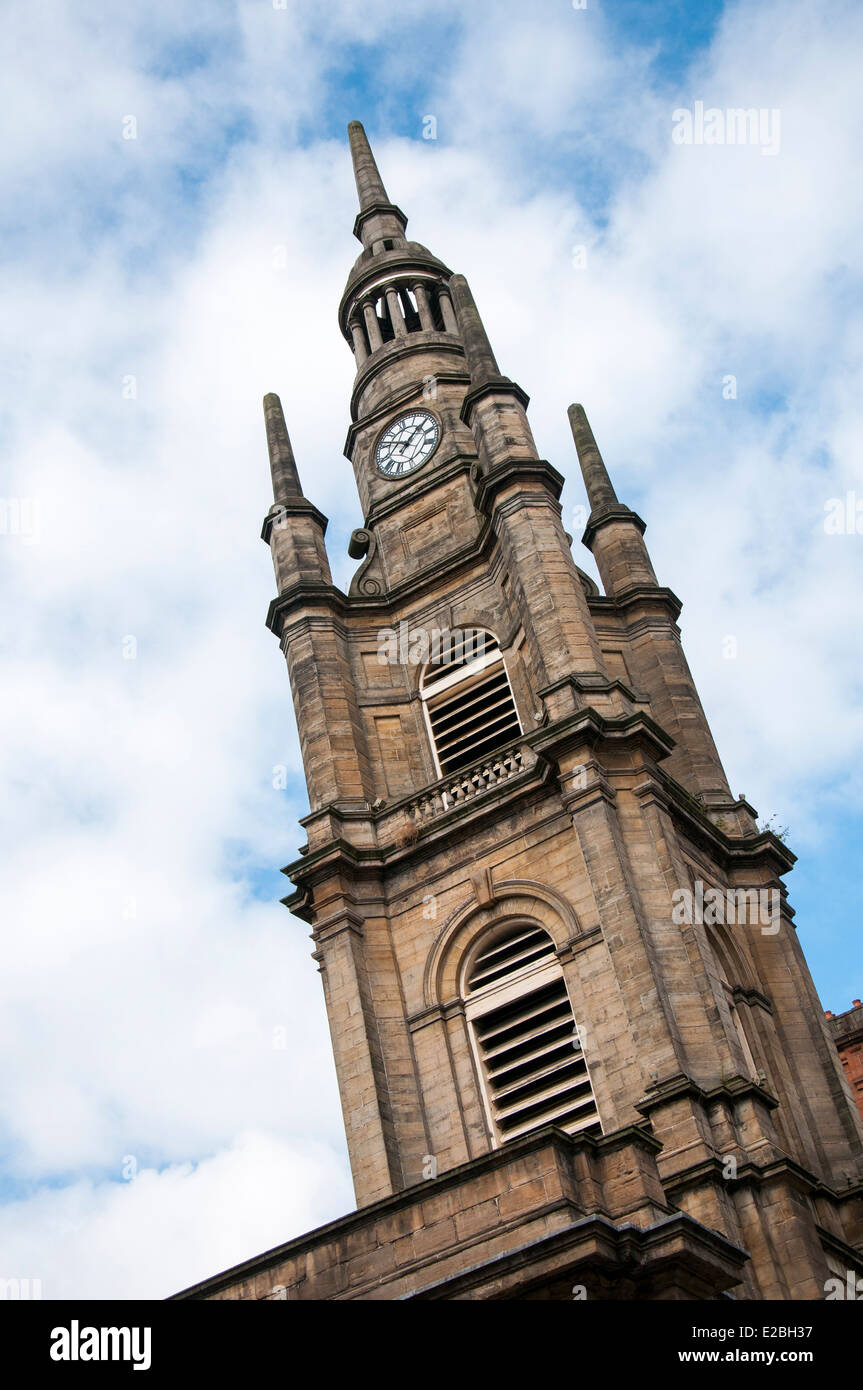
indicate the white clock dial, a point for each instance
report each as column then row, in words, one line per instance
column 407, row 443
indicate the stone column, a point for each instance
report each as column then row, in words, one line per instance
column 372, row 326
column 423, row 306
column 448, row 311
column 361, row 350
column 397, row 318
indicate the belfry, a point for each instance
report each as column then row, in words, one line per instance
column 553, row 1078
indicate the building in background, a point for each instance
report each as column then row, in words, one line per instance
column 579, row 1050
column 847, row 1030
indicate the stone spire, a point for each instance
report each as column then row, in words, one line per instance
column 614, row 532
column 492, row 398
column 600, row 493
column 478, row 350
column 286, row 479
column 370, row 185
column 378, row 218
column 293, row 527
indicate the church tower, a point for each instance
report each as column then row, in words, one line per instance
column 577, row 1043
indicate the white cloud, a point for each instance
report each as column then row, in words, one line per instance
column 158, row 1232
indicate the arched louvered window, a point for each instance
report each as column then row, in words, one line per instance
column 525, row 1036
column 468, row 699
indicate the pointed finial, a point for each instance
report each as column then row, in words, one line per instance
column 286, row 480
column 600, row 493
column 480, row 358
column 378, row 219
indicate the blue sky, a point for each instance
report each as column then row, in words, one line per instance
column 154, row 289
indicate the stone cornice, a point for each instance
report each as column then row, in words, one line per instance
column 345, row 919
column 682, row 1086
column 496, row 386
column 374, row 210
column 424, row 483
column 491, row 481
column 751, row 997
column 380, row 413
column 596, row 520
column 412, row 344
column 437, row 1013
column 589, row 723
column 302, row 596
column 656, row 595
column 296, row 506
column 594, row 682
column 729, row 851
column 577, row 944
column 601, row 1243
column 783, row 1169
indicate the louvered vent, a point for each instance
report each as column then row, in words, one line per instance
column 470, row 706
column 522, row 947
column 532, row 1059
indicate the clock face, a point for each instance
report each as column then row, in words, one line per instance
column 407, row 443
